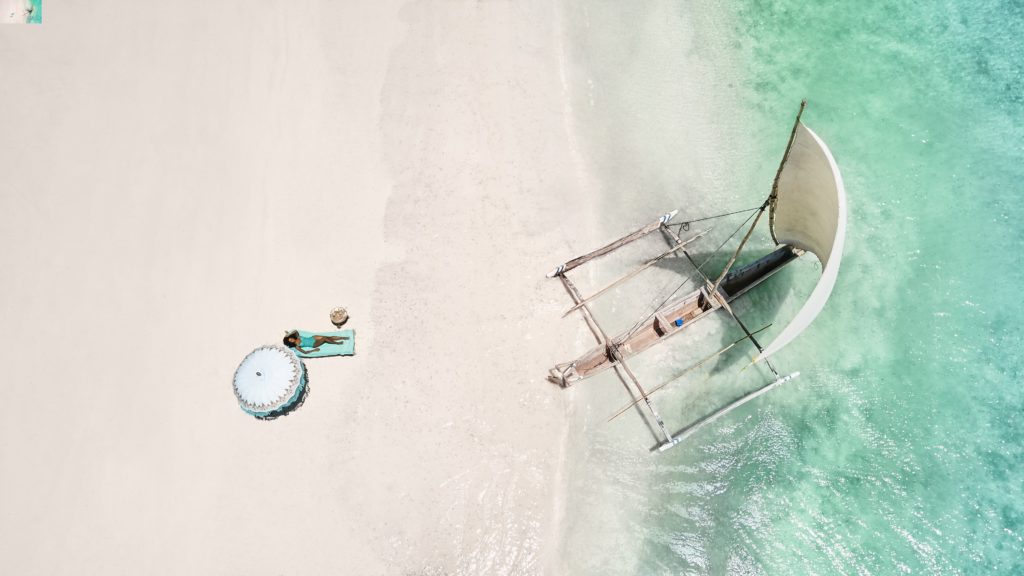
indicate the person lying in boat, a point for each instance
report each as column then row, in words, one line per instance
column 311, row 343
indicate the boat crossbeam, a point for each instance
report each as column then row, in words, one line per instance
column 613, row 246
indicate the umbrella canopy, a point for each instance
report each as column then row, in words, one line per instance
column 268, row 380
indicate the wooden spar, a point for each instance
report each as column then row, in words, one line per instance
column 698, row 424
column 714, row 289
column 685, row 372
column 617, row 357
column 718, row 295
column 643, row 395
column 563, row 268
column 745, row 331
column 679, row 246
column 675, row 238
column 602, row 338
column 773, row 197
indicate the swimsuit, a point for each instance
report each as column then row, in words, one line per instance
column 307, row 342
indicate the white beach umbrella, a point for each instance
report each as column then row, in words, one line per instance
column 268, row 380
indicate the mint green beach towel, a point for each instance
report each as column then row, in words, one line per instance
column 347, row 348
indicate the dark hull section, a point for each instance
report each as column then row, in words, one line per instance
column 746, row 277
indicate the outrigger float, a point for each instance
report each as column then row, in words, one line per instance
column 807, row 213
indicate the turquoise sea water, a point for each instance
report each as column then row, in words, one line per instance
column 899, row 449
column 37, row 12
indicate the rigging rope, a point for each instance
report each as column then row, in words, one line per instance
column 685, row 226
column 688, row 280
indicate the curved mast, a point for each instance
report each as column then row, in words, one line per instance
column 770, row 201
column 773, row 198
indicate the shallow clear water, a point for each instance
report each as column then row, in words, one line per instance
column 37, row 12
column 899, row 449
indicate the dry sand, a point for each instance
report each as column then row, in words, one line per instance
column 14, row 11
column 183, row 182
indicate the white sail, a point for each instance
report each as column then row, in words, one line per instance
column 809, row 213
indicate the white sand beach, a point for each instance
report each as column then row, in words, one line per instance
column 14, row 11
column 183, row 183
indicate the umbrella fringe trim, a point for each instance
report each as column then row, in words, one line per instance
column 298, row 368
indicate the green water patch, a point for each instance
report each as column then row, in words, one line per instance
column 36, row 16
column 900, row 448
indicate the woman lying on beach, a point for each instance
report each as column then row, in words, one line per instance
column 307, row 344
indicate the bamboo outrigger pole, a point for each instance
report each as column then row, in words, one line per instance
column 700, row 423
